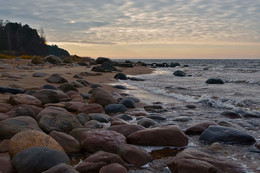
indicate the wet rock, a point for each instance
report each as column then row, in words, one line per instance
column 38, row 159
column 129, row 65
column 182, row 119
column 125, row 117
column 48, row 86
column 61, row 168
column 179, row 73
column 231, row 114
column 102, row 97
column 93, row 124
column 135, row 79
column 59, row 119
column 101, row 60
column 251, row 115
column 197, row 129
column 53, row 59
column 118, row 121
column 126, row 129
column 90, row 167
column 214, row 81
column 11, row 90
column 4, row 107
column 5, row 163
column 128, row 102
column 120, row 87
column 31, row 138
column 91, row 108
column 153, row 108
column 105, row 140
column 175, row 64
column 195, row 161
column 114, row 167
column 36, row 110
column 50, row 96
column 103, row 118
column 160, row 136
column 12, row 126
column 68, row 143
column 115, row 108
column 39, row 74
column 24, row 99
column 56, row 78
column 147, row 122
column 226, row 135
column 108, row 66
column 191, row 106
column 120, row 76
column 156, row 117
column 257, row 145
column 216, row 146
column 82, row 117
column 66, row 87
column 99, row 69
column 134, row 155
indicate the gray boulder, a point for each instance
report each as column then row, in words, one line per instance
column 115, row 108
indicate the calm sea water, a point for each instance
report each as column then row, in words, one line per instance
column 240, row 93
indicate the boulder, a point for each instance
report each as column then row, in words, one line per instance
column 50, row 96
column 194, row 161
column 118, row 121
column 156, row 117
column 3, row 116
column 24, row 99
column 147, row 122
column 39, row 74
column 38, row 159
column 68, row 143
column 129, row 65
column 4, row 107
column 126, row 129
column 93, row 124
column 108, row 66
column 37, row 60
column 62, row 168
column 53, row 59
column 120, row 76
column 115, row 108
column 160, row 136
column 114, row 167
column 11, row 90
column 125, row 117
column 102, row 97
column 4, row 145
column 59, row 119
column 36, row 110
column 197, row 129
column 48, row 86
column 56, row 78
column 5, row 163
column 101, row 60
column 25, row 111
column 128, row 102
column 226, row 135
column 31, row 138
column 179, row 73
column 103, row 118
column 214, row 81
column 66, row 87
column 105, row 140
column 91, row 108
column 122, row 87
column 231, row 114
column 74, row 106
column 90, row 167
column 134, row 155
column 12, row 126
column 175, row 64
column 98, row 69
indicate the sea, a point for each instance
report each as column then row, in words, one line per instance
column 240, row 94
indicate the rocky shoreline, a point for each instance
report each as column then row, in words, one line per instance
column 64, row 116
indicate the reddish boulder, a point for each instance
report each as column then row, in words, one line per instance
column 102, row 97
column 4, row 145
column 5, row 163
column 114, row 167
column 61, row 168
column 4, row 107
column 24, row 99
column 105, row 140
column 91, row 108
column 197, row 129
column 134, row 155
column 127, row 129
column 90, row 167
column 161, row 136
column 118, row 121
column 73, row 106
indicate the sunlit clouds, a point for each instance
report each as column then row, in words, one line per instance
column 147, row 28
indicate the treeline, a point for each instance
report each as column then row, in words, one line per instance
column 18, row 39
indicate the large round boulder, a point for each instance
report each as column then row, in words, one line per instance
column 128, row 102
column 38, row 159
column 115, row 108
column 101, row 60
column 56, row 78
column 91, row 108
column 114, row 167
column 197, row 129
column 53, row 59
column 120, row 76
column 179, row 73
column 105, row 140
column 12, row 126
column 50, row 96
column 24, row 99
column 126, row 129
column 161, row 136
column 31, row 138
column 102, row 97
column 226, row 135
column 214, row 81
column 59, row 119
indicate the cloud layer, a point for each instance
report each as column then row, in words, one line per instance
column 108, row 22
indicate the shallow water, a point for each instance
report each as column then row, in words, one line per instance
column 240, row 93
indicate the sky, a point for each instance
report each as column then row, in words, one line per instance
column 144, row 28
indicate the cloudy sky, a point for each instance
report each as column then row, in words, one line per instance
column 144, row 28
